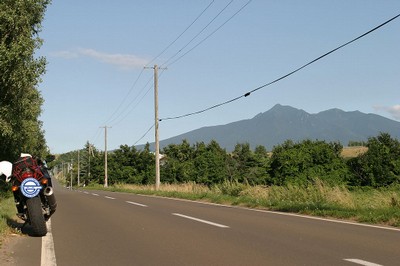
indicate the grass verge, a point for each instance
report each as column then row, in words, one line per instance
column 7, row 213
column 374, row 206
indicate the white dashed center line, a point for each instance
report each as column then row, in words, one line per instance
column 135, row 203
column 201, row 220
column 107, row 197
column 362, row 262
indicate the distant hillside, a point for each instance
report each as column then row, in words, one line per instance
column 284, row 122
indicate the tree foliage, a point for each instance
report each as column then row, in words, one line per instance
column 299, row 163
column 129, row 165
column 249, row 167
column 308, row 160
column 380, row 165
column 20, row 71
column 200, row 163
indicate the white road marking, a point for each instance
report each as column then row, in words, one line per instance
column 362, row 262
column 200, row 220
column 48, row 256
column 135, row 203
column 86, row 192
column 107, row 197
column 94, row 194
column 280, row 213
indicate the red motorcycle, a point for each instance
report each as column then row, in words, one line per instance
column 33, row 191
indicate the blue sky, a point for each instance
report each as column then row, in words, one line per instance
column 96, row 51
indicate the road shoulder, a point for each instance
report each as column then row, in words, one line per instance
column 7, row 248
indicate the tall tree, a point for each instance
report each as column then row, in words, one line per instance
column 20, row 72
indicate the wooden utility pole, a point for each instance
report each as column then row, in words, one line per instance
column 78, row 170
column 156, row 132
column 105, row 157
column 90, row 151
column 72, row 165
column 157, row 141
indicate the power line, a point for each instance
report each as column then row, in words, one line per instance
column 139, row 101
column 96, row 135
column 208, row 36
column 111, row 119
column 284, row 76
column 144, row 135
column 126, row 111
column 124, row 99
column 209, row 23
column 180, row 35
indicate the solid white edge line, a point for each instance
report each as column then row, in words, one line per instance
column 94, row 194
column 48, row 255
column 135, row 203
column 200, row 220
column 362, row 262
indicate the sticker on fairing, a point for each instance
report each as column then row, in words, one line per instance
column 30, row 187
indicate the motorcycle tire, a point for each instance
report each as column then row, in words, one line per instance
column 35, row 215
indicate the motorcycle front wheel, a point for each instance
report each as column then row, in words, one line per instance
column 35, row 215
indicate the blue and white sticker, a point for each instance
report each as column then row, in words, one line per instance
column 30, row 187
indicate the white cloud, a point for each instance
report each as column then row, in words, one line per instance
column 124, row 61
column 65, row 54
column 393, row 110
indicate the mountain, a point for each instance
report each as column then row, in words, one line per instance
column 285, row 122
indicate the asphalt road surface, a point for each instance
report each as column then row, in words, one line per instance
column 106, row 228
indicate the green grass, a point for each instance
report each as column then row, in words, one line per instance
column 374, row 206
column 7, row 213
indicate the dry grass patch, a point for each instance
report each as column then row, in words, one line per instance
column 189, row 187
column 352, row 152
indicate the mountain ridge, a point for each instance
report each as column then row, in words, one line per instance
column 281, row 123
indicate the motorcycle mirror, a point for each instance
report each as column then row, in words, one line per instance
column 50, row 158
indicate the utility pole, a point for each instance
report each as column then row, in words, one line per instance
column 78, row 170
column 89, row 161
column 156, row 132
column 62, row 169
column 72, row 165
column 157, row 141
column 105, row 157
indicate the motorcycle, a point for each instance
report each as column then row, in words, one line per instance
column 33, row 191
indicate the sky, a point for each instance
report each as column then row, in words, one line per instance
column 209, row 52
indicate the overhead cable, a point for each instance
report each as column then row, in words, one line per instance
column 110, row 119
column 180, row 35
column 121, row 113
column 205, row 27
column 126, row 109
column 144, row 134
column 208, row 36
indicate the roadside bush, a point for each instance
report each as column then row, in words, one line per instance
column 304, row 162
column 229, row 188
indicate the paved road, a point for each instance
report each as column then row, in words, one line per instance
column 105, row 228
